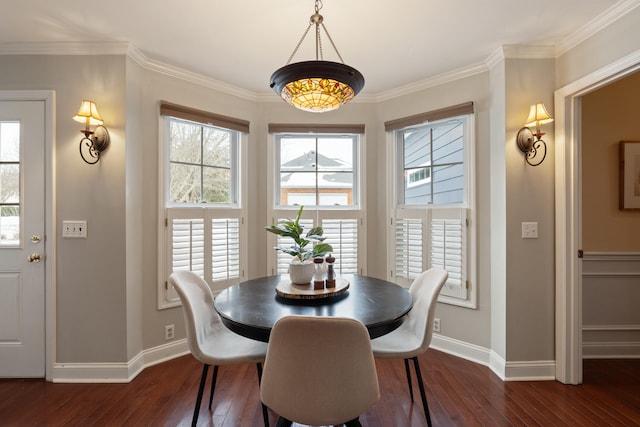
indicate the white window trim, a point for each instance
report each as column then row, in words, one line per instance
column 166, row 296
column 393, row 186
column 338, row 212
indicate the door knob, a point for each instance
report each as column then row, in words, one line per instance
column 34, row 257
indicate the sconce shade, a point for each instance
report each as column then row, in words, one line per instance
column 538, row 115
column 88, row 114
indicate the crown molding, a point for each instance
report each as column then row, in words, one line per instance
column 123, row 48
column 433, row 81
column 65, row 48
column 606, row 18
column 494, row 58
column 199, row 79
column 529, row 51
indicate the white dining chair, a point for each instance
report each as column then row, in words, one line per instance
column 319, row 371
column 210, row 342
column 413, row 336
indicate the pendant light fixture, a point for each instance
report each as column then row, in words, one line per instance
column 319, row 85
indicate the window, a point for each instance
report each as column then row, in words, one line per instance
column 433, row 163
column 201, row 163
column 433, row 200
column 204, row 230
column 319, row 168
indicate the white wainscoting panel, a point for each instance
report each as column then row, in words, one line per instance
column 611, row 305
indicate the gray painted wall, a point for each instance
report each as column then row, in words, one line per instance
column 91, row 274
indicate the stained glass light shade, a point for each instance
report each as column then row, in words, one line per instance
column 317, row 86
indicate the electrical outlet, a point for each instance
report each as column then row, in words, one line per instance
column 529, row 230
column 436, row 325
column 169, row 332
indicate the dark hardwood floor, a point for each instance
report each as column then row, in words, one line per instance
column 460, row 393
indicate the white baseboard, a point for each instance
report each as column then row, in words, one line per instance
column 117, row 372
column 543, row 370
column 125, row 372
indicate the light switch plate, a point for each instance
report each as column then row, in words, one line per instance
column 529, row 230
column 74, row 229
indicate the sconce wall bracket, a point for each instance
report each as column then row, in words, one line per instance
column 93, row 143
column 535, row 149
column 524, row 139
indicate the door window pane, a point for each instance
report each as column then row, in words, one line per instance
column 10, row 183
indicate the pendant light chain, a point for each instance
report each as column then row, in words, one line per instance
column 299, row 43
column 332, row 43
column 317, row 20
column 316, row 86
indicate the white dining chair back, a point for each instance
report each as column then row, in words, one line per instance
column 425, row 290
column 209, row 341
column 413, row 337
column 319, row 371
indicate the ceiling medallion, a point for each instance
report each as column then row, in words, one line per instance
column 317, row 86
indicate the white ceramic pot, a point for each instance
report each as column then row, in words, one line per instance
column 301, row 273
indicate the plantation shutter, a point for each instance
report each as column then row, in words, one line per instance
column 225, row 249
column 408, row 247
column 431, row 238
column 207, row 246
column 448, row 249
column 342, row 235
column 187, row 248
column 341, row 230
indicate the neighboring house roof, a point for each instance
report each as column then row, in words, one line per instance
column 306, row 163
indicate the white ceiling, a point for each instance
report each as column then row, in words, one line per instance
column 241, row 42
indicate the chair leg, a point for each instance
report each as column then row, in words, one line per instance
column 265, row 413
column 283, row 422
column 416, row 365
column 406, row 368
column 203, row 379
column 213, row 384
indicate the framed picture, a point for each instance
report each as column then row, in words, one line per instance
column 629, row 175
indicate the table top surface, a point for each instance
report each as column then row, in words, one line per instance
column 251, row 308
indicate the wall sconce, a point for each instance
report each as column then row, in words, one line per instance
column 94, row 141
column 534, row 149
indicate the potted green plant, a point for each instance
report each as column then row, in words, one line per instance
column 305, row 247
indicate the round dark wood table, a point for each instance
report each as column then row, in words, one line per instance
column 251, row 308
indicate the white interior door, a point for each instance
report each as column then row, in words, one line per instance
column 22, row 239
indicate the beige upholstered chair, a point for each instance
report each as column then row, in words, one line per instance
column 319, row 371
column 413, row 337
column 209, row 340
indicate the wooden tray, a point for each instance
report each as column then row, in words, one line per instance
column 286, row 289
